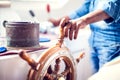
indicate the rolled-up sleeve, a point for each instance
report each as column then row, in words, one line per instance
column 111, row 7
column 82, row 10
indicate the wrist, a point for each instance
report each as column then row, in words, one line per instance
column 82, row 23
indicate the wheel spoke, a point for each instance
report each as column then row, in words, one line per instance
column 66, row 72
column 53, row 74
column 48, row 77
column 57, row 65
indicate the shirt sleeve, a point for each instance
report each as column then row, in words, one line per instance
column 82, row 10
column 111, row 7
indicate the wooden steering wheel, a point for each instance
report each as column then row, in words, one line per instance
column 56, row 63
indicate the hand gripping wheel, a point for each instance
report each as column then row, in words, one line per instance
column 56, row 63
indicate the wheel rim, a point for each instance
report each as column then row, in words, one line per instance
column 59, row 66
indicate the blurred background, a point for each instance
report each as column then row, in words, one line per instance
column 40, row 11
column 21, row 8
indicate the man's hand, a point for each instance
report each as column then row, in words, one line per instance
column 71, row 27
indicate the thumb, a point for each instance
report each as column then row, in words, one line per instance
column 63, row 22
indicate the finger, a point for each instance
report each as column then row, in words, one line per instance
column 63, row 22
column 71, row 31
column 70, row 34
column 66, row 29
column 76, row 33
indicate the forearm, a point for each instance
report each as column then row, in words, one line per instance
column 56, row 22
column 95, row 16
